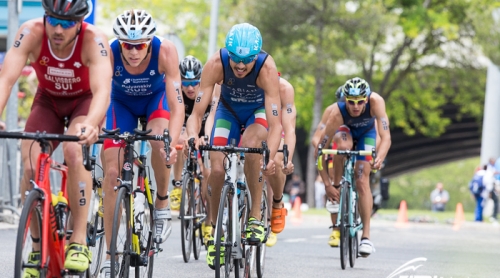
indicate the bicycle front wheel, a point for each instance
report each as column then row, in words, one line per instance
column 223, row 234
column 95, row 232
column 344, row 222
column 261, row 249
column 200, row 214
column 353, row 241
column 186, row 216
column 144, row 261
column 121, row 235
column 27, row 261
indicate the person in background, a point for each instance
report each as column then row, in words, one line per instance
column 439, row 197
column 295, row 187
column 319, row 192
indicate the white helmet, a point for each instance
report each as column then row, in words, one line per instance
column 134, row 25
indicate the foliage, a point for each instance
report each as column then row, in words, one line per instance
column 416, row 187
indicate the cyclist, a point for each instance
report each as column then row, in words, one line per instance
column 276, row 182
column 247, row 75
column 71, row 61
column 191, row 68
column 352, row 124
column 146, row 82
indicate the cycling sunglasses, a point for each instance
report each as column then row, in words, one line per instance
column 353, row 101
column 65, row 23
column 138, row 46
column 187, row 83
column 238, row 60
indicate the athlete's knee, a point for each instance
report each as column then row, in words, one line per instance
column 112, row 172
column 72, row 154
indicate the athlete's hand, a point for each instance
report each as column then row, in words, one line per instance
column 332, row 193
column 270, row 168
column 377, row 164
column 186, row 145
column 88, row 134
column 2, row 126
column 289, row 168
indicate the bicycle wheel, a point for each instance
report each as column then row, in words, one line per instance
column 261, row 248
column 186, row 216
column 344, row 221
column 29, row 223
column 353, row 241
column 145, row 260
column 223, row 233
column 249, row 268
column 121, row 235
column 200, row 215
column 95, row 232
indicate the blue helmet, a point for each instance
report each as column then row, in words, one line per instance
column 244, row 40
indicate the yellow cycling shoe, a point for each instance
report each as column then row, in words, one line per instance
column 33, row 258
column 334, row 239
column 175, row 198
column 271, row 239
column 207, row 233
column 78, row 257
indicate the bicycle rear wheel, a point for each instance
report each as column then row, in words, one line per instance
column 186, row 216
column 224, row 234
column 95, row 232
column 145, row 261
column 29, row 225
column 121, row 235
column 353, row 241
column 344, row 222
column 200, row 215
column 261, row 248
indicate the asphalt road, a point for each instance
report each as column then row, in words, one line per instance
column 417, row 250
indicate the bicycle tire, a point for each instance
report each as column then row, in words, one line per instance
column 186, row 216
column 344, row 221
column 225, row 203
column 121, row 235
column 200, row 212
column 95, row 233
column 261, row 248
column 353, row 241
column 146, row 243
column 31, row 208
column 249, row 268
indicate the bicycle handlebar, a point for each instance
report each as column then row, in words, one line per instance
column 348, row 153
column 232, row 149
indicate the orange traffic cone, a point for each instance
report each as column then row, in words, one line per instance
column 297, row 213
column 402, row 215
column 459, row 217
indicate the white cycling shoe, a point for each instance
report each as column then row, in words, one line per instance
column 366, row 248
column 163, row 224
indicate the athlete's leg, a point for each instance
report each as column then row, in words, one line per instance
column 175, row 195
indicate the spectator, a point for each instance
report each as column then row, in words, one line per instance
column 319, row 192
column 493, row 172
column 295, row 187
column 477, row 188
column 439, row 197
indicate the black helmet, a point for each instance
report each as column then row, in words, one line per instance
column 190, row 68
column 356, row 87
column 72, row 9
column 339, row 94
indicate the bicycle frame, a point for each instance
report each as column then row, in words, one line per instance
column 349, row 164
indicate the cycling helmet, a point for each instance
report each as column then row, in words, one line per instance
column 356, row 87
column 190, row 68
column 244, row 40
column 71, row 9
column 338, row 93
column 134, row 25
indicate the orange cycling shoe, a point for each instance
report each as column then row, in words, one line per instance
column 278, row 220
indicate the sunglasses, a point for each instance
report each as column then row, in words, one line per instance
column 138, row 46
column 187, row 83
column 65, row 23
column 238, row 60
column 359, row 101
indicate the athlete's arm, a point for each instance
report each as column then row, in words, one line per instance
column 321, row 126
column 209, row 123
column 28, row 36
column 288, row 116
column 379, row 112
column 211, row 74
column 333, row 123
column 268, row 80
column 168, row 63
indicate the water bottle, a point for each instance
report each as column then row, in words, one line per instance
column 332, row 207
column 139, row 200
column 61, row 211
